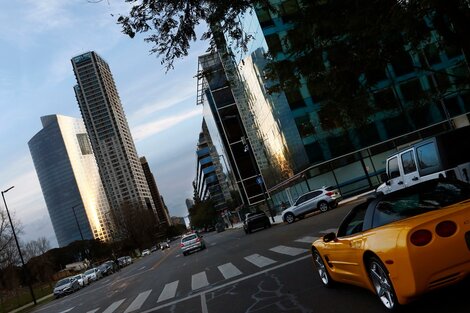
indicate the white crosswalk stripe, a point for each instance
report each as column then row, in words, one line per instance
column 138, row 302
column 114, row 306
column 199, row 280
column 307, row 239
column 329, row 230
column 169, row 291
column 229, row 270
column 288, row 250
column 259, row 260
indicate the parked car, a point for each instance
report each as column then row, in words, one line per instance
column 191, row 242
column 93, row 274
column 82, row 280
column 164, row 245
column 153, row 249
column 66, row 286
column 220, row 227
column 124, row 260
column 317, row 200
column 146, row 252
column 114, row 266
column 402, row 244
column 255, row 221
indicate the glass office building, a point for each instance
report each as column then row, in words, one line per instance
column 69, row 179
column 352, row 158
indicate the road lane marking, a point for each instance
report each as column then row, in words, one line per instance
column 229, row 270
column 138, row 302
column 204, row 304
column 288, row 250
column 307, row 239
column 199, row 280
column 259, row 260
column 169, row 291
column 93, row 311
column 230, row 283
column 114, row 306
column 68, row 310
column 143, row 267
column 329, row 230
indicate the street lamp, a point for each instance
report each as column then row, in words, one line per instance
column 76, row 220
column 18, row 245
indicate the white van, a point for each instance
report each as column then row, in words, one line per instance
column 446, row 155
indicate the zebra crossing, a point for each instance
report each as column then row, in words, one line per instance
column 200, row 280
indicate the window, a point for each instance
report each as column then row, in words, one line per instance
column 411, row 90
column 84, row 144
column 408, row 162
column 301, row 200
column 274, row 44
column 393, row 169
column 385, row 99
column 313, row 194
column 289, row 9
column 304, row 126
column 427, row 156
column 264, row 17
column 295, row 99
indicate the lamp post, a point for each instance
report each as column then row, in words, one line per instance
column 76, row 220
column 18, row 245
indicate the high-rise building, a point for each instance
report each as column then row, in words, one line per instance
column 105, row 121
column 70, row 181
column 163, row 217
column 352, row 157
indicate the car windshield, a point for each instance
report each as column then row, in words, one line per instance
column 427, row 197
column 89, row 272
column 188, row 238
column 78, row 277
column 63, row 282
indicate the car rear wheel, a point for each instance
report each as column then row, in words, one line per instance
column 323, row 206
column 321, row 269
column 289, row 218
column 382, row 284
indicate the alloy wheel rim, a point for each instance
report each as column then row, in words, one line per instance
column 321, row 268
column 289, row 218
column 323, row 207
column 382, row 285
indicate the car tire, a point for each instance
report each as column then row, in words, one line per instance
column 323, row 206
column 289, row 218
column 322, row 269
column 382, row 283
column 185, row 254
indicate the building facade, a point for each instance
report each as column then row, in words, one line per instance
column 162, row 217
column 352, row 158
column 114, row 148
column 70, row 180
column 221, row 101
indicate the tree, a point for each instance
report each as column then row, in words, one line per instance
column 35, row 248
column 339, row 50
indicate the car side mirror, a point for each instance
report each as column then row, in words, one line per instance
column 330, row 237
column 384, row 178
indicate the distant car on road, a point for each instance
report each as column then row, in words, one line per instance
column 66, row 286
column 82, row 280
column 124, row 260
column 191, row 242
column 317, row 200
column 164, row 245
column 146, row 252
column 93, row 274
column 255, row 221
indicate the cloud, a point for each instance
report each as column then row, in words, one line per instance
column 146, row 130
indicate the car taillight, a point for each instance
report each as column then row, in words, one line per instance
column 421, row 237
column 198, row 239
column 181, row 245
column 446, row 228
column 329, row 193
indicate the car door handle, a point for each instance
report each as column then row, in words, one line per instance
column 400, row 183
column 415, row 178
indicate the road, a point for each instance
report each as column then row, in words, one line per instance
column 268, row 271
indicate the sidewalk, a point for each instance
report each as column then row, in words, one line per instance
column 31, row 304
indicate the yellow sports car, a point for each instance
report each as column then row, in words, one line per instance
column 402, row 244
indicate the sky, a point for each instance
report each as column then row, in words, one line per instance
column 37, row 40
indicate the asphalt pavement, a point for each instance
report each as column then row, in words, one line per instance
column 268, row 271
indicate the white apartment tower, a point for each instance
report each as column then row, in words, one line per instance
column 105, row 121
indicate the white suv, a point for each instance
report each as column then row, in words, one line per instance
column 320, row 199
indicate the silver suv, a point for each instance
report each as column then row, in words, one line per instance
column 316, row 200
column 191, row 242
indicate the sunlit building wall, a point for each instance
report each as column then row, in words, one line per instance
column 110, row 136
column 70, row 181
